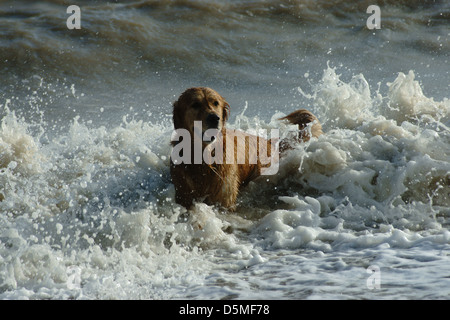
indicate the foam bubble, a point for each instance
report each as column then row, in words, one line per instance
column 407, row 101
column 91, row 214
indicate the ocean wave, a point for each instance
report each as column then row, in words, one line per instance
column 90, row 197
column 87, row 206
column 134, row 38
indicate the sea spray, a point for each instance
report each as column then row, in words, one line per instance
column 89, row 213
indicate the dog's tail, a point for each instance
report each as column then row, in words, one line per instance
column 302, row 118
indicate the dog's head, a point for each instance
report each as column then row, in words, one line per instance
column 304, row 118
column 200, row 104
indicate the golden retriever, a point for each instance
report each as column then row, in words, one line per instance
column 203, row 166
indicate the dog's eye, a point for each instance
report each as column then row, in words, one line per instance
column 196, row 105
column 216, row 103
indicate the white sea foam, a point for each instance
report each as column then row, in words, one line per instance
column 90, row 213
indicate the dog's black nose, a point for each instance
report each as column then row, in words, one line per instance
column 212, row 120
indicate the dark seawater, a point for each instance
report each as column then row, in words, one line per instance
column 86, row 202
column 144, row 53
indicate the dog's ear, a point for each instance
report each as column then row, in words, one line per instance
column 177, row 117
column 226, row 111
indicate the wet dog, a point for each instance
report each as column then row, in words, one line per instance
column 210, row 163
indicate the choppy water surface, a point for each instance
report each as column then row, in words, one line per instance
column 86, row 201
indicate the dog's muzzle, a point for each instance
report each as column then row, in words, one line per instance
column 212, row 121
